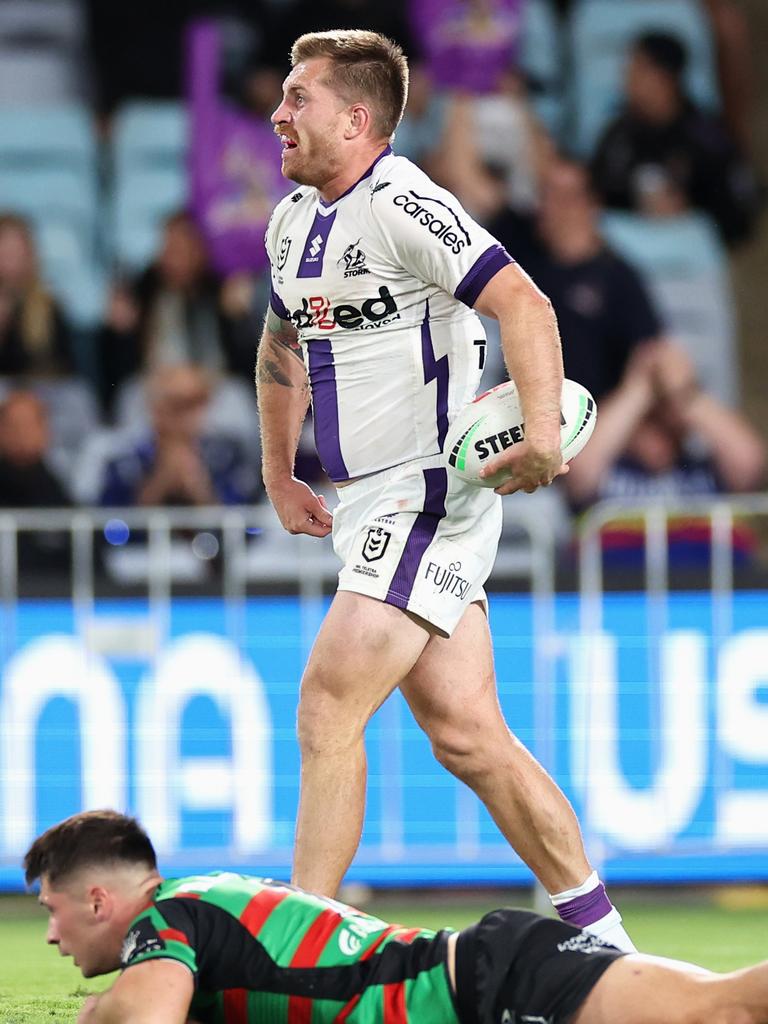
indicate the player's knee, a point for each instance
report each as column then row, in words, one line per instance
column 456, row 750
column 325, row 723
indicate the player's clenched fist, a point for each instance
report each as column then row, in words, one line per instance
column 299, row 509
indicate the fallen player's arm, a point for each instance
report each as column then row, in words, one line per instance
column 153, row 992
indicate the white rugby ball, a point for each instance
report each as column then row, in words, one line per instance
column 494, row 421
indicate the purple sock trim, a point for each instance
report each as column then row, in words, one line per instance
column 586, row 909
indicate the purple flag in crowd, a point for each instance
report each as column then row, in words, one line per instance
column 234, row 162
column 468, row 44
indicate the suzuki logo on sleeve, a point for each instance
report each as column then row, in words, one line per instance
column 375, row 543
column 316, row 246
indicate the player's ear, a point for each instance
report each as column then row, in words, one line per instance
column 101, row 902
column 359, row 120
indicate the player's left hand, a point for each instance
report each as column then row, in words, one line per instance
column 526, row 468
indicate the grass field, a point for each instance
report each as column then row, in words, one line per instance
column 39, row 987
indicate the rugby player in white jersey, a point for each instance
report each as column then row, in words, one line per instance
column 376, row 273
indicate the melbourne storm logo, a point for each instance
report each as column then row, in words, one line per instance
column 353, row 259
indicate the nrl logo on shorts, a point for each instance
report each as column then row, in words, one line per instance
column 375, row 544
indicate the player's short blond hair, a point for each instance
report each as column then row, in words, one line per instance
column 365, row 67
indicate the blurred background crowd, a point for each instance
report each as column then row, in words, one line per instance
column 613, row 146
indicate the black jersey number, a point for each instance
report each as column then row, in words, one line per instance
column 481, row 345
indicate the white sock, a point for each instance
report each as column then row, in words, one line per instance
column 587, row 906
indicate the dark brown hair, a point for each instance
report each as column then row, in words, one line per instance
column 364, row 66
column 88, row 839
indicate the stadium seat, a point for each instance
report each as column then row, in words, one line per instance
column 686, row 269
column 600, row 35
column 149, row 148
column 541, row 58
column 148, row 135
column 48, row 169
column 42, row 51
column 47, row 137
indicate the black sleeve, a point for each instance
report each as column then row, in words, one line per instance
column 612, row 166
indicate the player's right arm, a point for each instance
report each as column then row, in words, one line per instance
column 154, row 992
column 283, row 393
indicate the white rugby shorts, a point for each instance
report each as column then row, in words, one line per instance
column 418, row 537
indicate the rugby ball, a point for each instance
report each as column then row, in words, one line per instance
column 494, row 421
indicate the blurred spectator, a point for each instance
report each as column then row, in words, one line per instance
column 660, row 435
column 34, row 338
column 26, row 478
column 419, row 135
column 663, row 154
column 178, row 312
column 468, row 44
column 179, row 464
column 601, row 302
column 497, row 128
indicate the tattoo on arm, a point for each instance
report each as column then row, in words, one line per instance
column 280, row 340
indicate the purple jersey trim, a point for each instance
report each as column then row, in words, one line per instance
column 277, row 304
column 311, row 264
column 421, row 536
column 435, row 369
column 480, row 273
column 368, row 173
column 325, row 408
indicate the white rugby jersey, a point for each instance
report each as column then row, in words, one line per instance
column 380, row 285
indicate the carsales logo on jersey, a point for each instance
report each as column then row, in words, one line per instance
column 453, row 235
column 316, row 311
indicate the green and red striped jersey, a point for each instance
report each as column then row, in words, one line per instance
column 263, row 951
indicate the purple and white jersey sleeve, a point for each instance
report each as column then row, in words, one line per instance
column 434, row 238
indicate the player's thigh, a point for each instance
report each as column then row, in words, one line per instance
column 362, row 651
column 452, row 686
column 640, row 989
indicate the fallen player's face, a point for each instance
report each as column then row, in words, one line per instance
column 309, row 123
column 73, row 927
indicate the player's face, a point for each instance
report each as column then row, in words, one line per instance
column 310, row 123
column 78, row 928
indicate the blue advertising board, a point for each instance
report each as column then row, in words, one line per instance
column 656, row 731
